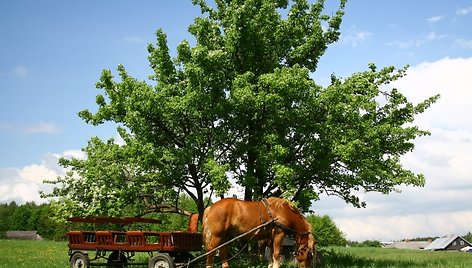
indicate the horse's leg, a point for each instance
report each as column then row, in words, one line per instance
column 271, row 253
column 224, row 257
column 209, row 262
column 211, row 242
column 207, row 237
column 277, row 243
column 214, row 242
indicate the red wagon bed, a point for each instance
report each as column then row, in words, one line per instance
column 165, row 248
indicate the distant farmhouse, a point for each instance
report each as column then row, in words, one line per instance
column 450, row 242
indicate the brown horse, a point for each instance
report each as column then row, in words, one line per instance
column 231, row 217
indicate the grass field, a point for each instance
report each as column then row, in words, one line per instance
column 380, row 257
column 47, row 254
column 19, row 253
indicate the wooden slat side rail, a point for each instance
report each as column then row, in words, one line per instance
column 75, row 238
column 89, row 237
column 135, row 238
column 79, row 240
column 187, row 241
column 119, row 237
column 165, row 242
column 104, row 238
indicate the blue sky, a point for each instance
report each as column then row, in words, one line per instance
column 52, row 53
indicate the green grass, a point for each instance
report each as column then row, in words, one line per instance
column 48, row 254
column 379, row 257
column 41, row 254
column 19, row 253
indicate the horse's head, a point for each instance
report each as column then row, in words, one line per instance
column 295, row 223
column 306, row 250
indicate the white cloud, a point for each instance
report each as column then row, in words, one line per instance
column 23, row 184
column 355, row 37
column 467, row 44
column 43, row 128
column 406, row 44
column 134, row 39
column 36, row 173
column 442, row 206
column 418, row 42
column 433, row 36
column 36, row 128
column 449, row 77
column 71, row 154
column 434, row 19
column 385, row 228
column 20, row 71
column 464, row 11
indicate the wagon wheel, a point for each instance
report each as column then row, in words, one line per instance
column 117, row 260
column 161, row 261
column 79, row 260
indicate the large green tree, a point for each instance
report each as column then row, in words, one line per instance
column 240, row 107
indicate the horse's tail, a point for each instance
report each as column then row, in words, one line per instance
column 205, row 228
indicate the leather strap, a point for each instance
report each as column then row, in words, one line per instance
column 267, row 205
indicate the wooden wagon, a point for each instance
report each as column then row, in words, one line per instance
column 119, row 247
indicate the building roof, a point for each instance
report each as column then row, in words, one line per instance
column 408, row 244
column 28, row 235
column 442, row 242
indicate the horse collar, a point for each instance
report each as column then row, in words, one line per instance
column 266, row 204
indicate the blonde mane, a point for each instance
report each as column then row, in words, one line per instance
column 279, row 202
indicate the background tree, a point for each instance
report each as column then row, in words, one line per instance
column 21, row 219
column 6, row 211
column 241, row 107
column 366, row 244
column 468, row 237
column 326, row 231
column 31, row 217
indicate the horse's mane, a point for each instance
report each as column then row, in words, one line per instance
column 279, row 202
